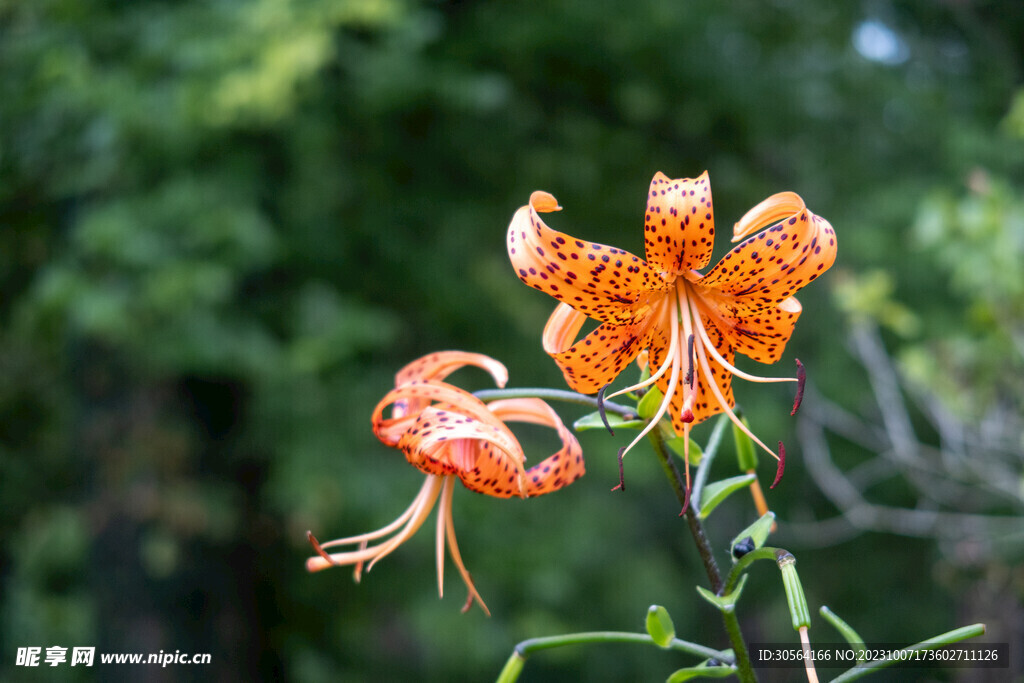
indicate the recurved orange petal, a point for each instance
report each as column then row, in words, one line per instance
column 445, row 442
column 437, row 366
column 440, row 364
column 608, row 284
column 757, row 328
column 679, row 227
column 762, row 336
column 557, row 470
column 390, row 430
column 598, row 358
column 777, row 262
column 493, row 473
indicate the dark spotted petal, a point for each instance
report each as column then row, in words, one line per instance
column 679, row 227
column 608, row 284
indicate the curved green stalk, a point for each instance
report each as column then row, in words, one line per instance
column 938, row 641
column 847, row 631
column 741, row 565
column 514, row 665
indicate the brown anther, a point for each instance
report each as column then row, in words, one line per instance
column 801, row 378
column 686, row 502
column 782, row 465
column 622, row 481
column 600, row 408
column 318, row 550
column 469, row 600
column 688, row 380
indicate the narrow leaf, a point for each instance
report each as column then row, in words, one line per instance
column 677, row 445
column 851, row 636
column 649, row 404
column 724, row 603
column 702, row 670
column 593, row 421
column 744, row 448
column 715, row 493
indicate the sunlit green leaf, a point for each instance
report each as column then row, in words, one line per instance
column 650, row 403
column 677, row 445
column 660, row 626
column 702, row 670
column 724, row 603
column 593, row 421
column 716, row 492
column 745, row 455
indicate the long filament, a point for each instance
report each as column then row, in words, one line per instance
column 699, row 324
column 385, row 549
column 706, row 371
column 384, row 531
column 453, row 547
column 653, row 378
column 689, row 389
column 672, row 380
column 446, row 501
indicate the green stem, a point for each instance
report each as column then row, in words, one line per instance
column 526, row 648
column 744, row 562
column 487, row 395
column 744, row 669
column 847, row 631
column 948, row 638
column 696, row 528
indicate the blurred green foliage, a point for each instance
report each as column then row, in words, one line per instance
column 226, row 224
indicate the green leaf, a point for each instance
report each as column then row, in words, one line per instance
column 648, row 405
column 724, row 603
column 715, row 493
column 757, row 532
column 677, row 445
column 702, row 670
column 593, row 421
column 744, row 448
column 660, row 626
column 851, row 636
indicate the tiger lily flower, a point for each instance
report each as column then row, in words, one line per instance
column 450, row 434
column 690, row 324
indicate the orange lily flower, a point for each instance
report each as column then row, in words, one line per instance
column 448, row 433
column 691, row 325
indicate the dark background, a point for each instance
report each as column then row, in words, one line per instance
column 225, row 225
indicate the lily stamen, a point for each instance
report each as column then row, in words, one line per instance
column 421, row 508
column 706, row 371
column 665, row 365
column 706, row 340
column 690, row 388
column 453, row 546
column 385, row 530
column 689, row 363
column 801, row 380
column 673, row 379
